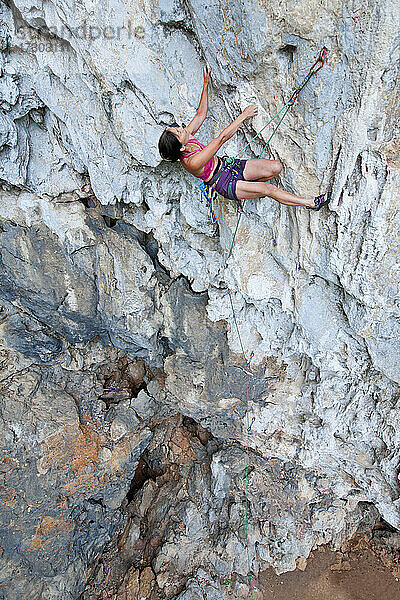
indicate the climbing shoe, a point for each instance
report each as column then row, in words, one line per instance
column 321, row 201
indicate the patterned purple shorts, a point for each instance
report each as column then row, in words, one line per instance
column 225, row 181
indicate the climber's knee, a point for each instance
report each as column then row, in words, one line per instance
column 277, row 167
column 271, row 168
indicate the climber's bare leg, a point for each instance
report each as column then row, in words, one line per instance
column 261, row 169
column 245, row 190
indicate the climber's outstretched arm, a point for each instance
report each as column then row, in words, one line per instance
column 201, row 114
column 199, row 159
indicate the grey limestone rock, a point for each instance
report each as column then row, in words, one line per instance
column 136, row 438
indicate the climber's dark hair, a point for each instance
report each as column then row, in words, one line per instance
column 169, row 146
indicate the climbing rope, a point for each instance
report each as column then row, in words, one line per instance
column 318, row 64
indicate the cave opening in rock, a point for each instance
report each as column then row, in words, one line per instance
column 144, row 471
column 110, row 221
column 287, row 54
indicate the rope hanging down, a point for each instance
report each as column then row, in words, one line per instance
column 211, row 194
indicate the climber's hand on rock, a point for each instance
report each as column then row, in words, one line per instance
column 206, row 72
column 250, row 111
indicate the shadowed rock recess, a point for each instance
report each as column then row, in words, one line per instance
column 123, row 417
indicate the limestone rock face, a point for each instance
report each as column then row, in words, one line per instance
column 141, row 454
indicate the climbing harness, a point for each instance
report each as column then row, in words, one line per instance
column 229, row 162
column 211, row 193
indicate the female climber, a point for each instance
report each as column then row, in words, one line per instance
column 244, row 179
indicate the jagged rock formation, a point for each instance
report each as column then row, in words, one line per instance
column 123, row 414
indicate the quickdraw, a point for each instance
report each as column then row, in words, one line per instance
column 211, row 195
column 320, row 61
